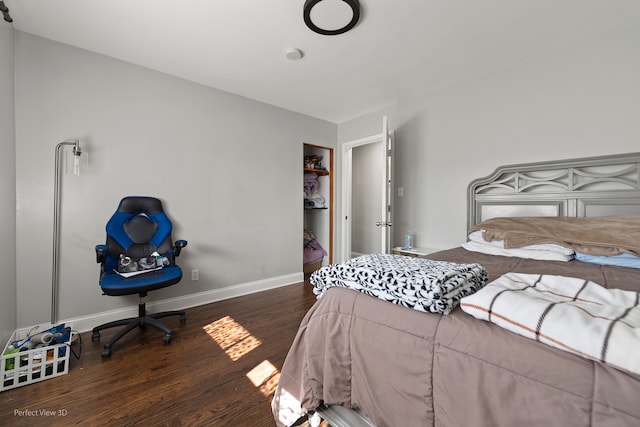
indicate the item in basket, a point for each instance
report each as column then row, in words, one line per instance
column 10, row 362
column 43, row 338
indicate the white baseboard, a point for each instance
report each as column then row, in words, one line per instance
column 87, row 323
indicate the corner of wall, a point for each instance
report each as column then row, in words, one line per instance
column 7, row 183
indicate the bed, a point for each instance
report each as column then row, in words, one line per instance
column 378, row 363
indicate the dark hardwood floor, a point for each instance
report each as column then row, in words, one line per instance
column 220, row 370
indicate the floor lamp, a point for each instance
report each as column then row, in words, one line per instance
column 73, row 166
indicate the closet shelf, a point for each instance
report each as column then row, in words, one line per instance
column 320, row 172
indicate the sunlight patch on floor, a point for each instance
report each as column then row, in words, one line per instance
column 236, row 341
column 265, row 376
column 232, row 337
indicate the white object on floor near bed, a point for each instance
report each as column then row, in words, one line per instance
column 575, row 315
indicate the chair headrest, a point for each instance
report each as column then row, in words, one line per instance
column 140, row 228
column 135, row 204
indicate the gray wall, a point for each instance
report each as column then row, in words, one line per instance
column 583, row 100
column 228, row 168
column 7, row 187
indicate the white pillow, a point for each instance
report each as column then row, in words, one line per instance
column 545, row 252
column 476, row 236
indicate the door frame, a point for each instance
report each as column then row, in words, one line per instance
column 347, row 182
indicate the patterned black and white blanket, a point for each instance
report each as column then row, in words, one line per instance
column 421, row 284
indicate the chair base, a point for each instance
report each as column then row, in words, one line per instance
column 131, row 323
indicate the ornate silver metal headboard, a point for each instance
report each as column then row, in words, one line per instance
column 586, row 187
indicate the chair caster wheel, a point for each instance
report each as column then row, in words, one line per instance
column 95, row 336
column 106, row 353
column 167, row 339
column 183, row 318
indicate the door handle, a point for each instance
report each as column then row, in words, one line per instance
column 383, row 224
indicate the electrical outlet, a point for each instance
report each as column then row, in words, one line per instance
column 195, row 275
column 400, row 191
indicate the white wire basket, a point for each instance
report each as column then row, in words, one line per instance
column 26, row 365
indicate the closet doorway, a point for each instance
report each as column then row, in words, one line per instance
column 318, row 207
column 366, row 195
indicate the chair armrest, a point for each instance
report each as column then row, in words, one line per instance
column 101, row 253
column 178, row 247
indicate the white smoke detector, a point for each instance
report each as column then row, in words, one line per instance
column 294, row 54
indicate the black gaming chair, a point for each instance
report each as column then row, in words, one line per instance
column 138, row 257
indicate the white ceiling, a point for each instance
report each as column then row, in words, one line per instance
column 399, row 46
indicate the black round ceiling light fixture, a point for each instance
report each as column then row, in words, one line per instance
column 331, row 17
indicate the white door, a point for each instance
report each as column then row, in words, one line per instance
column 366, row 194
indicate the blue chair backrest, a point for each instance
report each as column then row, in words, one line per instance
column 138, row 228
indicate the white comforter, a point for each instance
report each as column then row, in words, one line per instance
column 574, row 315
